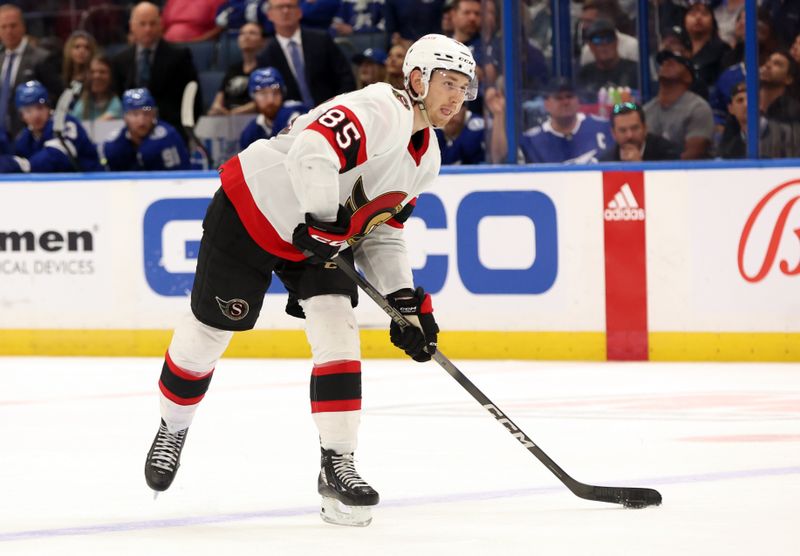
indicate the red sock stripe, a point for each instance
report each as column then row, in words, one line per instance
column 177, row 371
column 336, row 367
column 335, row 405
column 177, row 399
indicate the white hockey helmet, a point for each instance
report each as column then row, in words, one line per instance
column 439, row 52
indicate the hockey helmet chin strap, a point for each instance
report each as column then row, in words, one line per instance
column 420, row 101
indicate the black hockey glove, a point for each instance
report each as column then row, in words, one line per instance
column 320, row 241
column 418, row 341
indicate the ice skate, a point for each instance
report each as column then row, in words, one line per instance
column 163, row 459
column 346, row 497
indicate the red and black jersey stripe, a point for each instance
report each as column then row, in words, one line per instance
column 343, row 130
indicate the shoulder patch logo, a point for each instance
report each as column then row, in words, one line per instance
column 402, row 98
column 235, row 309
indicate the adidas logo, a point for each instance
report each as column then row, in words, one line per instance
column 623, row 206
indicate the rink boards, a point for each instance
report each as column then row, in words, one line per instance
column 647, row 262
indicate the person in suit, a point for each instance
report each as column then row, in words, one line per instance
column 151, row 62
column 313, row 67
column 20, row 62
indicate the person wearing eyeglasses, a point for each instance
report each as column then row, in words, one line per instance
column 633, row 142
column 676, row 113
column 608, row 68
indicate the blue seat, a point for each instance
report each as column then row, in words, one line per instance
column 202, row 54
column 210, row 82
column 228, row 51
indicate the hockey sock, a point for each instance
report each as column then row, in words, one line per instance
column 336, row 404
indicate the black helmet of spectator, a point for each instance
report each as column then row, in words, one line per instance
column 680, row 34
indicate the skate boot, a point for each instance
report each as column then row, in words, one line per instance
column 163, row 459
column 346, row 497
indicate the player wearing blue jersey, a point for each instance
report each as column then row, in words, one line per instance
column 37, row 148
column 267, row 89
column 144, row 143
column 461, row 141
column 567, row 135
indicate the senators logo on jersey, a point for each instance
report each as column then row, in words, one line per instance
column 366, row 214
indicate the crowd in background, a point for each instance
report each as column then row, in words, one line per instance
column 274, row 59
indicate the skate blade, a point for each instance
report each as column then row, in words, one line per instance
column 336, row 513
column 155, row 494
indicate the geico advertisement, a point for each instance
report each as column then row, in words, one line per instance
column 519, row 251
column 724, row 250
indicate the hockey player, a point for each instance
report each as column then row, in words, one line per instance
column 38, row 148
column 144, row 143
column 341, row 181
column 267, row 89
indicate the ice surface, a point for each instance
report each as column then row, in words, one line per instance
column 721, row 442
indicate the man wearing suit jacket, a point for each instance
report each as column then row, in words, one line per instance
column 20, row 62
column 154, row 63
column 312, row 66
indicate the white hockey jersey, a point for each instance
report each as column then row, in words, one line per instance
column 354, row 150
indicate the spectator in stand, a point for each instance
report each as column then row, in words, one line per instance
column 37, row 149
column 358, row 17
column 447, row 18
column 233, row 96
column 726, row 13
column 20, row 62
column 466, row 18
column 708, row 49
column 461, row 141
column 776, row 139
column 78, row 52
column 371, row 67
column 676, row 113
column 627, row 45
column 98, row 100
column 567, row 135
column 313, row 67
column 233, row 14
column 144, row 143
column 319, row 14
column 267, row 90
column 608, row 68
column 767, row 43
column 633, row 142
column 163, row 68
column 777, row 78
column 394, row 66
column 191, row 20
column 734, row 63
column 785, row 16
column 676, row 39
column 795, row 49
column 408, row 20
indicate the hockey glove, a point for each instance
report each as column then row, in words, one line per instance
column 320, row 241
column 419, row 340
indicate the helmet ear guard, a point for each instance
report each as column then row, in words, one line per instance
column 439, row 52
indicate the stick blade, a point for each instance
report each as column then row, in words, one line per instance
column 630, row 497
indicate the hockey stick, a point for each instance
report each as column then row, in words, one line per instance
column 60, row 117
column 187, row 121
column 630, row 497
